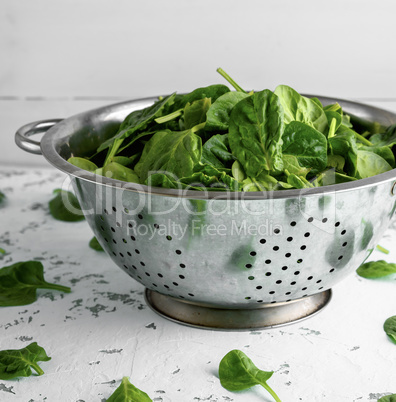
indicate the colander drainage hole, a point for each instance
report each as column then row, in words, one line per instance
column 114, row 209
column 156, row 226
column 182, row 266
column 278, row 282
column 288, row 255
column 102, row 228
column 191, row 294
column 140, row 216
column 293, row 283
column 337, row 224
column 263, row 241
column 105, row 211
column 160, row 275
column 142, row 264
column 112, row 229
column 169, row 238
column 268, row 261
column 259, row 287
column 307, row 234
column 310, row 219
column 324, row 220
column 332, row 270
column 289, row 239
column 276, row 231
column 310, row 278
column 133, row 238
column 178, row 252
column 272, row 292
column 137, row 251
column 147, row 273
column 115, row 255
column 284, row 268
column 106, row 240
column 252, row 253
column 114, row 241
column 124, row 241
column 344, row 244
column 182, row 277
column 130, row 225
column 268, row 274
column 248, row 266
column 303, row 247
column 343, row 232
column 129, row 254
column 340, row 257
column 118, row 224
column 121, row 255
column 251, row 278
column 293, row 223
column 275, row 248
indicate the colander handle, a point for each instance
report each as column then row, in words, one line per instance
column 22, row 136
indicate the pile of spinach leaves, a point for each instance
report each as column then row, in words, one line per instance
column 215, row 138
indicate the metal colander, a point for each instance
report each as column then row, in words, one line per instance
column 210, row 259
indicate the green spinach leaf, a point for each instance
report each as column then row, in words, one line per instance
column 300, row 108
column 237, row 372
column 20, row 362
column 65, row 207
column 127, row 392
column 215, row 151
column 218, row 115
column 173, row 152
column 308, row 145
column 95, row 245
column 388, row 398
column 195, row 113
column 390, row 328
column 255, row 135
column 370, row 164
column 119, row 172
column 387, row 139
column 83, row 163
column 19, row 282
column 376, row 269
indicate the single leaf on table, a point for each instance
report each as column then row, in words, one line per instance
column 19, row 282
column 65, row 207
column 390, row 328
column 237, row 372
column 172, row 152
column 20, row 362
column 388, row 398
column 300, row 108
column 376, row 269
column 2, row 197
column 307, row 144
column 127, row 392
column 255, row 135
column 94, row 244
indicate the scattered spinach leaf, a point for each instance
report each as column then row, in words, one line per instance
column 237, row 372
column 20, row 362
column 94, row 244
column 65, row 207
column 2, row 198
column 19, row 282
column 388, row 398
column 376, row 269
column 390, row 328
column 127, row 392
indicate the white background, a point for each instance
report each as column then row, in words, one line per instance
column 62, row 57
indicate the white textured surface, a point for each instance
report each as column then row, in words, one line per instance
column 103, row 330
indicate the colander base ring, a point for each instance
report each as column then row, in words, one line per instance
column 269, row 315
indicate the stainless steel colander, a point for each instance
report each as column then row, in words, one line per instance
column 231, row 261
